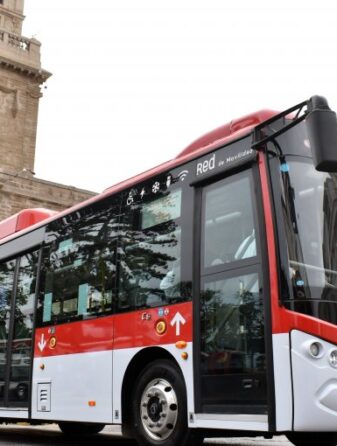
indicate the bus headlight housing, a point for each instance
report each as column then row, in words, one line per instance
column 315, row 349
column 333, row 359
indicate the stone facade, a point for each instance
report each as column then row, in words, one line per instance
column 21, row 78
column 25, row 191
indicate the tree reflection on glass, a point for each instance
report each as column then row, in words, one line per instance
column 79, row 266
column 6, row 290
column 232, row 326
column 23, row 329
column 149, row 253
column 146, row 258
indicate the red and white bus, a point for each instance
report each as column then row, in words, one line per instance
column 196, row 299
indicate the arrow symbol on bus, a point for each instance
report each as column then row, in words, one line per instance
column 177, row 321
column 42, row 343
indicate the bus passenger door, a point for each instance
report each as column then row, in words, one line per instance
column 230, row 357
column 17, row 306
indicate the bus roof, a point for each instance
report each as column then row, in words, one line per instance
column 28, row 219
column 228, row 131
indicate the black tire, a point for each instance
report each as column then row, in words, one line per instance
column 312, row 438
column 159, row 408
column 70, row 428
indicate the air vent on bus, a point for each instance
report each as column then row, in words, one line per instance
column 43, row 397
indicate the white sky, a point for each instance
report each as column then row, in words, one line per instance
column 135, row 81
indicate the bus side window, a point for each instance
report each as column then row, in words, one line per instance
column 79, row 269
column 150, row 252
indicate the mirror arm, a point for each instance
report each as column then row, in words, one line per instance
column 259, row 135
column 259, row 141
column 315, row 103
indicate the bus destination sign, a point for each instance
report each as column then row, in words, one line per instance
column 228, row 158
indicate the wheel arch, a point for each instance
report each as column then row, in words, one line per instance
column 136, row 365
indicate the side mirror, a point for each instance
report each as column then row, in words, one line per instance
column 321, row 125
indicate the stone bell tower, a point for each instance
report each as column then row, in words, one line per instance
column 21, row 78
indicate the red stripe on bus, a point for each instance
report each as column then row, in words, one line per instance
column 284, row 320
column 272, row 259
column 126, row 330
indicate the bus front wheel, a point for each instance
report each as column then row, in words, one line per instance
column 312, row 438
column 159, row 408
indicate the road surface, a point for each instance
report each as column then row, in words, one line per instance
column 50, row 435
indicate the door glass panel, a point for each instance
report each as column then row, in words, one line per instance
column 232, row 349
column 229, row 231
column 232, row 326
column 6, row 290
column 23, row 330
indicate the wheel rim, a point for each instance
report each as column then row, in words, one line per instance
column 159, row 409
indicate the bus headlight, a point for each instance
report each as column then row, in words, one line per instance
column 315, row 349
column 333, row 359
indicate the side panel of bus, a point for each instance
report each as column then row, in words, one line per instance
column 176, row 264
column 72, row 372
column 109, row 274
column 18, row 279
column 72, row 375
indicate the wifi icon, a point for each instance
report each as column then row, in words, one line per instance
column 182, row 175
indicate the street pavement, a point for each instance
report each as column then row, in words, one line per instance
column 24, row 435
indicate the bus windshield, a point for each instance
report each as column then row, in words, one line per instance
column 309, row 207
